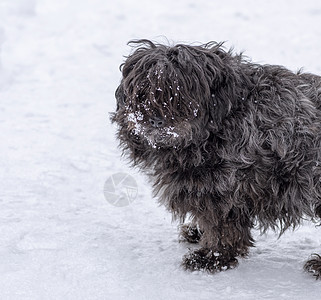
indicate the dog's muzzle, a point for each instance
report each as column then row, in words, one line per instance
column 157, row 122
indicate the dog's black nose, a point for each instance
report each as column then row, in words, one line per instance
column 156, row 122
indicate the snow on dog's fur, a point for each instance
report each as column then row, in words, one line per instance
column 230, row 143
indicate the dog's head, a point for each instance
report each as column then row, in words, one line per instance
column 171, row 96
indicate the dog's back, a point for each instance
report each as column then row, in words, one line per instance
column 311, row 87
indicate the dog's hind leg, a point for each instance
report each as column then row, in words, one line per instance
column 190, row 233
column 313, row 265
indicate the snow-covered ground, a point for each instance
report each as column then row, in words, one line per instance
column 59, row 237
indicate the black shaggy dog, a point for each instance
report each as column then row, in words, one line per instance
column 227, row 142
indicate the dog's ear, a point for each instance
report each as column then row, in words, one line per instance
column 120, row 96
column 225, row 93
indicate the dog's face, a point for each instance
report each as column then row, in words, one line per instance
column 166, row 95
column 155, row 108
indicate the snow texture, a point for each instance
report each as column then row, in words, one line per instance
column 60, row 238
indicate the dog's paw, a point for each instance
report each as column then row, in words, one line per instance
column 313, row 266
column 208, row 260
column 190, row 233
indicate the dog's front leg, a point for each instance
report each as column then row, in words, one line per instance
column 190, row 233
column 221, row 244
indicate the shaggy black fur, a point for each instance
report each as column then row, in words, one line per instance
column 230, row 143
column 190, row 233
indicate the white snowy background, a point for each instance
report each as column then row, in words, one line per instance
column 59, row 237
